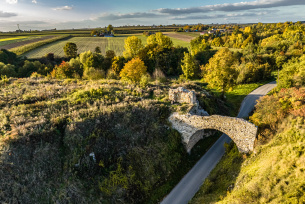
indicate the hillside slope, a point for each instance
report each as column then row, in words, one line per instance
column 274, row 173
column 77, row 141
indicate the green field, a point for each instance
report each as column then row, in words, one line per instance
column 180, row 43
column 90, row 43
column 83, row 44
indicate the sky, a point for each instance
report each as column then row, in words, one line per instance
column 68, row 14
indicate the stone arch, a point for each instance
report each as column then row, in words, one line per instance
column 242, row 132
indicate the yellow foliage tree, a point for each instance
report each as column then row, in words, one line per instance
column 220, row 72
column 132, row 46
column 160, row 39
column 133, row 70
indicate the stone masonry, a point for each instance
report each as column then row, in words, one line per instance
column 193, row 125
column 242, row 132
column 182, row 95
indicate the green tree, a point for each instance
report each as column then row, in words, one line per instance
column 110, row 54
column 97, row 50
column 189, row 66
column 132, row 46
column 94, row 32
column 70, row 50
column 133, row 71
column 77, row 67
column 220, row 72
column 110, row 28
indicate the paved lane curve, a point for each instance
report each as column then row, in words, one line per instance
column 191, row 182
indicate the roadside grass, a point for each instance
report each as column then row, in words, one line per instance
column 222, row 178
column 235, row 96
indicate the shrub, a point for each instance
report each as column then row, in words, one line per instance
column 145, row 79
column 7, row 70
column 94, row 74
column 133, row 71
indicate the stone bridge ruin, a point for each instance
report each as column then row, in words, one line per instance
column 193, row 126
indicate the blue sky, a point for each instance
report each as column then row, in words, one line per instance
column 67, row 14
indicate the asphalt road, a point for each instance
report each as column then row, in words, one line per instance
column 191, row 182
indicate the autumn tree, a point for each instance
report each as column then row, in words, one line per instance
column 132, row 46
column 189, row 66
column 70, row 50
column 220, row 72
column 64, row 70
column 133, row 70
column 186, row 28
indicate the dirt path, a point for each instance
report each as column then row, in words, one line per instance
column 179, row 36
column 17, row 44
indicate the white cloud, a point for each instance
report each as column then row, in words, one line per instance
column 119, row 16
column 6, row 14
column 34, row 1
column 12, row 1
column 225, row 16
column 63, row 8
column 229, row 7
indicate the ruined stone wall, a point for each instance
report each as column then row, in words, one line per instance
column 242, row 132
column 182, row 95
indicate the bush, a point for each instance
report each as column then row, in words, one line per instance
column 62, row 71
column 7, row 70
column 94, row 74
column 28, row 68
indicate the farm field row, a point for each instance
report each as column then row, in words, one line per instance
column 13, row 42
column 90, row 43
